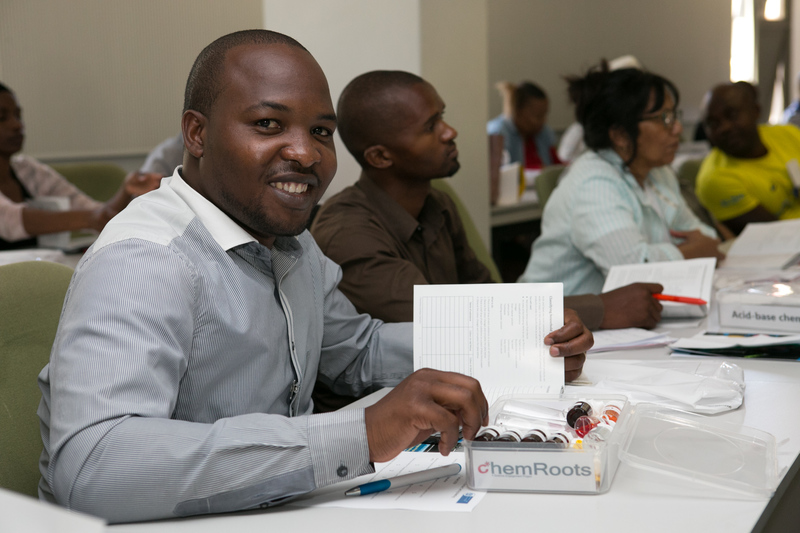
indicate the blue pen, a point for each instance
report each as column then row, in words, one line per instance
column 404, row 480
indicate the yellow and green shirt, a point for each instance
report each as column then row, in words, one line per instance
column 730, row 187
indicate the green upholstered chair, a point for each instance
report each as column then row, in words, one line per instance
column 687, row 173
column 474, row 238
column 100, row 181
column 31, row 296
column 546, row 182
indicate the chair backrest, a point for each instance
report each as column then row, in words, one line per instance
column 687, row 173
column 473, row 237
column 98, row 180
column 546, row 182
column 31, row 296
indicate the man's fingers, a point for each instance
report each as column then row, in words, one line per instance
column 653, row 288
column 425, row 402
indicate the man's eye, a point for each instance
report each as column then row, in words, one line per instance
column 322, row 132
column 268, row 123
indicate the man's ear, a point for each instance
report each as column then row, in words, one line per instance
column 378, row 156
column 193, row 125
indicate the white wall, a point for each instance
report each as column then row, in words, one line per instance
column 687, row 41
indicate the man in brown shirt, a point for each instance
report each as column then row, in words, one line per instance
column 392, row 230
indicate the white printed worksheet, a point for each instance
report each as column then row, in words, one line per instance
column 492, row 332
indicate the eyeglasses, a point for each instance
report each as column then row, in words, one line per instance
column 668, row 118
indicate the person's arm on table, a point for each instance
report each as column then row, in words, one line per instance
column 631, row 306
column 84, row 213
column 696, row 244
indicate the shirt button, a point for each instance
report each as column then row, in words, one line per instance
column 342, row 471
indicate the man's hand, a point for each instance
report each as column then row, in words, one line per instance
column 570, row 342
column 695, row 244
column 137, row 183
column 631, row 306
column 425, row 402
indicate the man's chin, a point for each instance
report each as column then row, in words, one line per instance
column 453, row 169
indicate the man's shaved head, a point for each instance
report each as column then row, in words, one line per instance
column 745, row 90
column 367, row 110
column 203, row 85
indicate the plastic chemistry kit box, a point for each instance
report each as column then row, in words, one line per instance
column 574, row 444
column 547, row 444
column 766, row 305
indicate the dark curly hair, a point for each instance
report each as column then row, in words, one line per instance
column 605, row 100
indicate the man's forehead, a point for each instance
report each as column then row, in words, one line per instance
column 255, row 71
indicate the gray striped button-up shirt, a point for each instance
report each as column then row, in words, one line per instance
column 180, row 379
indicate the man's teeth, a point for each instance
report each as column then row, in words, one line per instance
column 290, row 187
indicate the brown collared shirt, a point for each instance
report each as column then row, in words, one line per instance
column 384, row 251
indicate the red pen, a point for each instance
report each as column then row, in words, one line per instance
column 681, row 299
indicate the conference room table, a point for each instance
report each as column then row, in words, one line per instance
column 637, row 501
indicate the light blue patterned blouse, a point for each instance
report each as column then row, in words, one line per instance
column 599, row 216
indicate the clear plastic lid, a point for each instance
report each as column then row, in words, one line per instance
column 700, row 448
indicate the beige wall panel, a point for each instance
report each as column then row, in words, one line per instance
column 687, row 41
column 106, row 77
column 348, row 38
column 454, row 60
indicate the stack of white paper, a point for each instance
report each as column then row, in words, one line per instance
column 766, row 245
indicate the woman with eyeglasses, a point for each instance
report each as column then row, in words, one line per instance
column 619, row 202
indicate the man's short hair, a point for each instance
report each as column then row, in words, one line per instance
column 203, row 87
column 366, row 112
column 5, row 89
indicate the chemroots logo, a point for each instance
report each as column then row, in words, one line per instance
column 536, row 469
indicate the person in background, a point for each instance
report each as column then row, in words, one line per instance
column 526, row 137
column 791, row 114
column 619, row 202
column 23, row 178
column 392, row 230
column 746, row 177
column 571, row 144
column 195, row 328
column 167, row 155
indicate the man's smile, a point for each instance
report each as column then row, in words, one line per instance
column 288, row 186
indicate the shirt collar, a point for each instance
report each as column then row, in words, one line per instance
column 222, row 228
column 614, row 159
column 397, row 220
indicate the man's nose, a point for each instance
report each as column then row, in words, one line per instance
column 301, row 147
column 449, row 133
